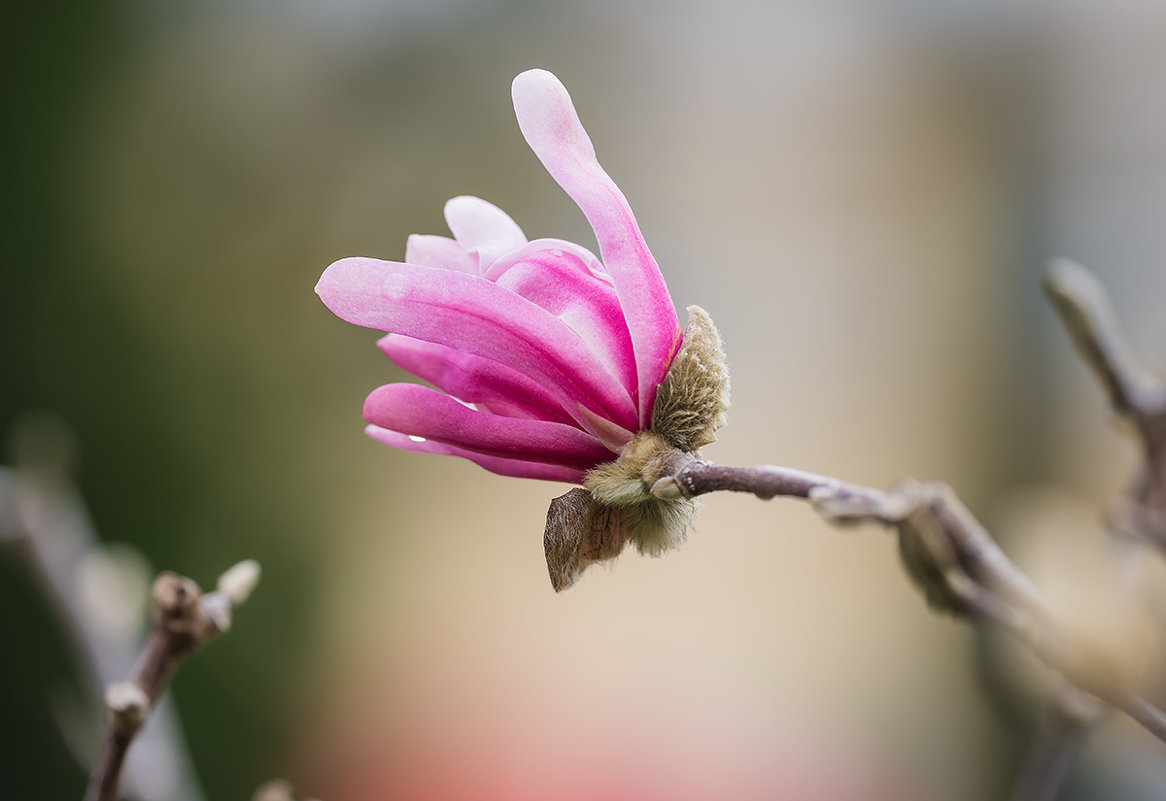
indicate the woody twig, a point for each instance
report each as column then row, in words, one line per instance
column 185, row 618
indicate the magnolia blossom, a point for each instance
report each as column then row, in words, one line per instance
column 546, row 358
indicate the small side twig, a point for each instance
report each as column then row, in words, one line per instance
column 1087, row 314
column 184, row 619
column 1135, row 393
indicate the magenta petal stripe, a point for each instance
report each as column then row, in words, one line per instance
column 483, row 382
column 423, row 412
column 551, row 126
column 474, row 315
column 503, row 467
column 560, row 279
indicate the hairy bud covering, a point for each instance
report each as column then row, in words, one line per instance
column 694, row 396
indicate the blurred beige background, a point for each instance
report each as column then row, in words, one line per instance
column 862, row 194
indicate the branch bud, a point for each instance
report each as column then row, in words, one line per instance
column 128, row 705
column 239, row 581
column 175, row 597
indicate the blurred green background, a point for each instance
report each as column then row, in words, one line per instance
column 862, row 194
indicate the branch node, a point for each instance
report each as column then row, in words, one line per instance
column 840, row 507
column 175, row 599
column 845, row 505
column 128, row 705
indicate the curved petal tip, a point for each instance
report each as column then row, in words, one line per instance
column 535, row 82
column 333, row 283
column 547, row 117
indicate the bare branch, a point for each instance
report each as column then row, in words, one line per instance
column 184, row 619
column 43, row 520
column 685, row 476
column 946, row 551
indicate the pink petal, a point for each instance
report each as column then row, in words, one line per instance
column 561, row 278
column 439, row 251
column 483, row 228
column 470, row 314
column 472, row 379
column 613, row 437
column 423, row 412
column 583, row 259
column 503, row 467
column 551, row 126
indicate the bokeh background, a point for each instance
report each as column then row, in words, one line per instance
column 863, row 195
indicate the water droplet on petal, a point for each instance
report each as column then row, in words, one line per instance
column 416, row 439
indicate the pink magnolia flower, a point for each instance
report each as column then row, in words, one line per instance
column 547, row 358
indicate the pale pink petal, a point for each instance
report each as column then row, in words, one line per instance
column 560, row 278
column 423, row 412
column 485, row 383
column 471, row 314
column 503, row 467
column 613, row 437
column 552, row 128
column 439, row 251
column 483, row 228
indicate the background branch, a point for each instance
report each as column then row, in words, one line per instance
column 184, row 619
column 95, row 591
column 1086, row 311
column 1134, row 392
